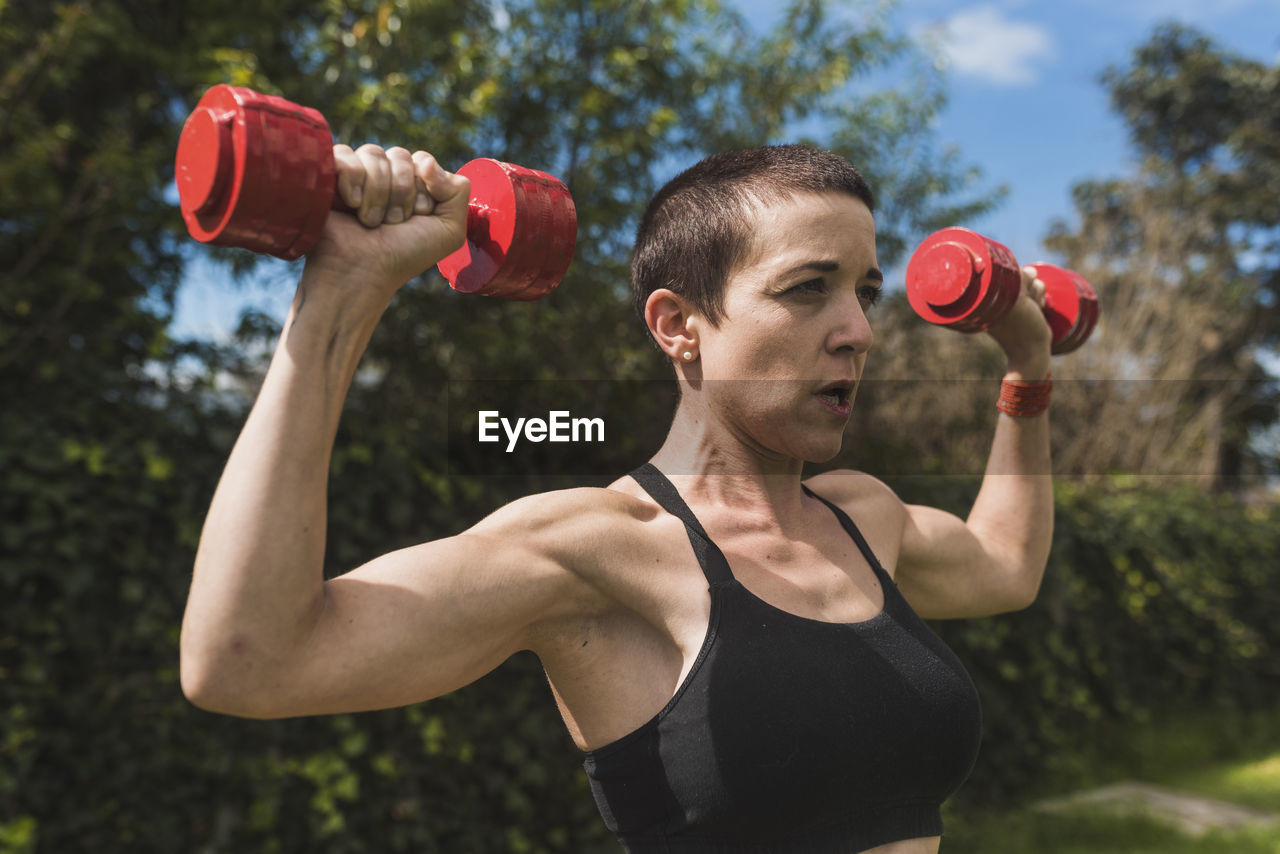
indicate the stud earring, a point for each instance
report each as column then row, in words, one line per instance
column 688, row 355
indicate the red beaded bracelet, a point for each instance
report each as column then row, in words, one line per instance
column 1024, row 399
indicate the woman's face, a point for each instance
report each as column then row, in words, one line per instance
column 783, row 365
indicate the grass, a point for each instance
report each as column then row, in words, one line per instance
column 1252, row 783
column 1188, row 755
column 1025, row 832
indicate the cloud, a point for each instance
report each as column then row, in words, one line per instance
column 980, row 42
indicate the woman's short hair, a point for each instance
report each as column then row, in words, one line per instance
column 697, row 228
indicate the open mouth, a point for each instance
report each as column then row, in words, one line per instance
column 837, row 396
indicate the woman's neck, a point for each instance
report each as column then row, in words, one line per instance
column 712, row 465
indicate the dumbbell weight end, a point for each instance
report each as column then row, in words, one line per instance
column 1070, row 306
column 962, row 280
column 255, row 171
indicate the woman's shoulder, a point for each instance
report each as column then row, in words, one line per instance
column 561, row 510
column 611, row 549
column 872, row 504
column 842, row 486
column 581, row 527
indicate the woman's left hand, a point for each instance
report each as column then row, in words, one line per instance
column 1024, row 332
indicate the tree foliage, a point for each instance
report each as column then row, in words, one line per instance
column 1185, row 255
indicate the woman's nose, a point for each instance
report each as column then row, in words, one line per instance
column 853, row 330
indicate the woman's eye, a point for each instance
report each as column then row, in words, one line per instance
column 870, row 295
column 812, row 286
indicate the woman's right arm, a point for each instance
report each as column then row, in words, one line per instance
column 263, row 634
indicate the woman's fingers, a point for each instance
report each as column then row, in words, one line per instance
column 350, row 175
column 444, row 191
column 377, row 184
column 387, row 187
column 424, row 203
column 400, row 202
column 1033, row 285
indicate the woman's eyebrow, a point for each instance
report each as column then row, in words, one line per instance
column 820, row 266
column 873, row 273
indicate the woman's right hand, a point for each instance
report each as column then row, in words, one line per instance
column 409, row 213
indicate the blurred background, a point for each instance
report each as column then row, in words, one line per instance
column 1138, row 143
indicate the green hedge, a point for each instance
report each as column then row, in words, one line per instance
column 1159, row 602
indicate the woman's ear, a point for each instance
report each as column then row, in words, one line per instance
column 674, row 324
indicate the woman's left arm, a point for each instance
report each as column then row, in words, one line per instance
column 993, row 561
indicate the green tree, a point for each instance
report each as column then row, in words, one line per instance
column 1185, row 255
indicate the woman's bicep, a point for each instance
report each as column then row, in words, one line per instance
column 945, row 571
column 418, row 623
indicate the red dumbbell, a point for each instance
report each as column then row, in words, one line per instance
column 959, row 279
column 257, row 172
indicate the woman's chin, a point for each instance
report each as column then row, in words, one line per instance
column 822, row 450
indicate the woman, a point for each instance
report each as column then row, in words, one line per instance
column 739, row 659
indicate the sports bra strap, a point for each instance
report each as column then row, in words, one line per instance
column 850, row 528
column 710, row 558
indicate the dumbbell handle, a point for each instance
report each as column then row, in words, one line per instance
column 962, row 280
column 257, row 171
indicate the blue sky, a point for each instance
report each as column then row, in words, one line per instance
column 1025, row 105
column 1033, row 68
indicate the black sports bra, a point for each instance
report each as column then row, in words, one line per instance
column 791, row 735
